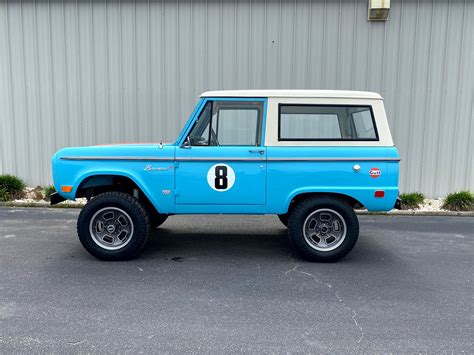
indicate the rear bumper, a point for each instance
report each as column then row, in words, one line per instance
column 398, row 204
column 56, row 198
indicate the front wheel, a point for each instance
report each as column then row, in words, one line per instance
column 323, row 229
column 113, row 226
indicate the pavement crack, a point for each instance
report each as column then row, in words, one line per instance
column 333, row 290
column 76, row 342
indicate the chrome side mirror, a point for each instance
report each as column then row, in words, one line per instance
column 187, row 143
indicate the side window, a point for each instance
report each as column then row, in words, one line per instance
column 324, row 122
column 228, row 123
column 237, row 122
column 363, row 124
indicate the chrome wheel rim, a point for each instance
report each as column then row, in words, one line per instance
column 111, row 228
column 324, row 229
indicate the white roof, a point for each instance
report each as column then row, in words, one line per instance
column 294, row 93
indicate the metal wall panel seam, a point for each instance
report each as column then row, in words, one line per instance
column 369, row 56
column 121, row 88
column 354, row 36
column 382, row 74
column 93, row 73
column 249, row 57
column 397, row 71
column 164, row 105
column 79, row 76
column 293, row 52
column 264, row 57
column 338, row 46
column 470, row 171
column 323, row 76
column 235, row 41
column 66, row 86
column 13, row 155
column 308, row 54
column 427, row 97
column 443, row 103
column 25, row 92
column 106, row 16
column 458, row 91
column 279, row 45
column 135, row 64
column 6, row 109
column 412, row 84
column 40, row 147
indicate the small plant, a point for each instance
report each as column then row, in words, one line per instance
column 4, row 197
column 412, row 200
column 48, row 191
column 459, row 201
column 12, row 187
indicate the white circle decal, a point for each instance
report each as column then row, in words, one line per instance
column 221, row 177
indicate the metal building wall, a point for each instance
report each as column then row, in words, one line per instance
column 88, row 72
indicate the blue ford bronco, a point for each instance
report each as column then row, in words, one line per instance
column 308, row 156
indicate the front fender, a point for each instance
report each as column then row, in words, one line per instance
column 156, row 185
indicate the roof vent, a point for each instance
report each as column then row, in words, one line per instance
column 378, row 10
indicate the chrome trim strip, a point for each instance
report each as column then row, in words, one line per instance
column 335, row 159
column 118, row 158
column 221, row 159
column 297, row 159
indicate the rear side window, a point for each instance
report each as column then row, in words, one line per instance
column 324, row 122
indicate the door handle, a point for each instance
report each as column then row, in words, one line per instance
column 260, row 151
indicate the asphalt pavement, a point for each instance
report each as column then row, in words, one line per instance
column 223, row 284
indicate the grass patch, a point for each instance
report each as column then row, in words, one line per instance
column 11, row 187
column 48, row 191
column 412, row 200
column 459, row 201
column 4, row 196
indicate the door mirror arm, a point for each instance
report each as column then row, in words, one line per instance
column 187, row 143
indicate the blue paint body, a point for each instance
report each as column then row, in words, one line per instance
column 266, row 178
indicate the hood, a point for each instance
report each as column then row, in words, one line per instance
column 135, row 150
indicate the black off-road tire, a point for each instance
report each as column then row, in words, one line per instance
column 126, row 203
column 304, row 209
column 283, row 219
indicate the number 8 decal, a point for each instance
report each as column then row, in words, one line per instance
column 220, row 182
column 221, row 177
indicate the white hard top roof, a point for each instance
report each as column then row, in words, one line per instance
column 294, row 93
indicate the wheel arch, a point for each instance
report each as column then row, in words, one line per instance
column 303, row 195
column 93, row 184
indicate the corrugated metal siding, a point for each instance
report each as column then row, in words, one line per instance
column 80, row 73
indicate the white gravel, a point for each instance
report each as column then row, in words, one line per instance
column 430, row 205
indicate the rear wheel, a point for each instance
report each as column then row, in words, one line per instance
column 113, row 226
column 323, row 229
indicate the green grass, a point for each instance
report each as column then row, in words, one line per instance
column 48, row 191
column 11, row 187
column 411, row 200
column 459, row 201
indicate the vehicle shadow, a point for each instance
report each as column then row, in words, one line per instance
column 170, row 243
column 267, row 245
